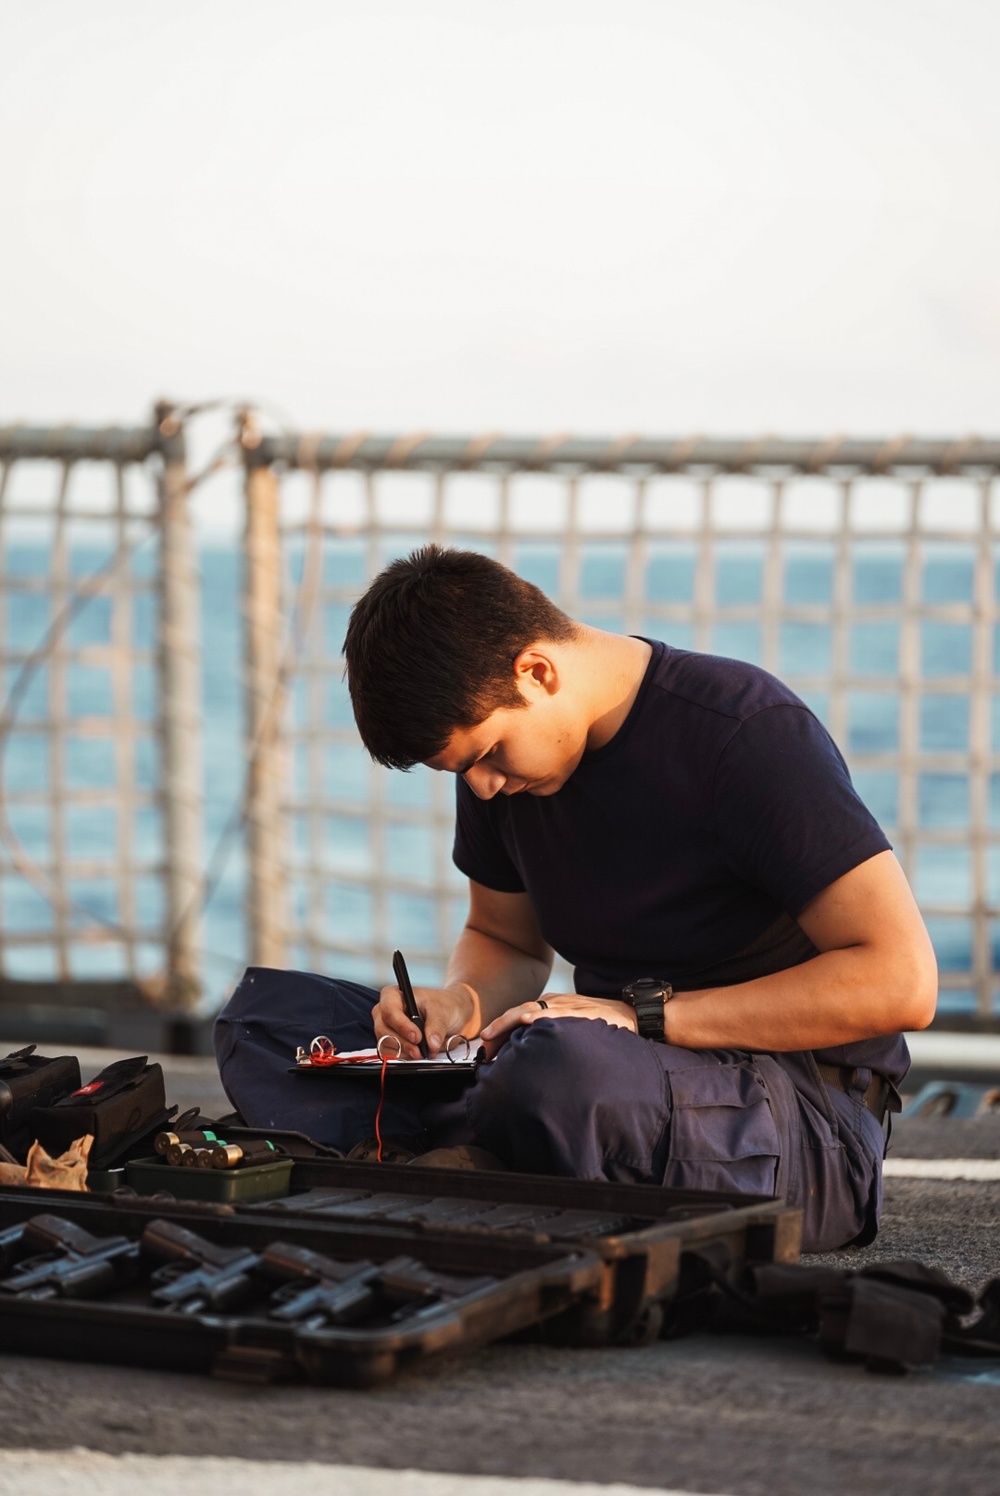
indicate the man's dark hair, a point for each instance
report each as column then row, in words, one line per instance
column 431, row 648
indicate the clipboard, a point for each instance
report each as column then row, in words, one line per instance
column 368, row 1062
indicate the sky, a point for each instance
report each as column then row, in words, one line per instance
column 599, row 216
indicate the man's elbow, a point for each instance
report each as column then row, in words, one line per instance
column 918, row 991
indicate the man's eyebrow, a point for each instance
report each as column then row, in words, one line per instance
column 471, row 762
column 462, row 768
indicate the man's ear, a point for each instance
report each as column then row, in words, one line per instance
column 534, row 669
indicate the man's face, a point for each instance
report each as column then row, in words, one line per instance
column 531, row 751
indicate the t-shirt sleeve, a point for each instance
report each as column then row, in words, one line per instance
column 479, row 851
column 786, row 811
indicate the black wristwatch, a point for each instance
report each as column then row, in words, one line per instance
column 648, row 996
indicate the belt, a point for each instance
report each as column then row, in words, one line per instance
column 876, row 1094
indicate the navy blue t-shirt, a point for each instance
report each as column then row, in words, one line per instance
column 685, row 847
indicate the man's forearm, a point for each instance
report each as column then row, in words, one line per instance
column 497, row 975
column 837, row 997
column 876, row 974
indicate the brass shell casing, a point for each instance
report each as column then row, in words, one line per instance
column 226, row 1156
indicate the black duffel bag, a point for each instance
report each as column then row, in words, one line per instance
column 28, row 1081
column 122, row 1105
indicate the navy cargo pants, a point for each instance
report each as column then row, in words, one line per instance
column 570, row 1096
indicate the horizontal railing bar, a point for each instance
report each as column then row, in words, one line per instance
column 376, row 954
column 670, row 611
column 360, row 810
column 927, row 763
column 826, row 615
column 79, row 443
column 107, row 799
column 105, row 585
column 93, row 656
column 86, row 935
column 85, row 869
column 656, row 535
column 94, row 728
column 599, row 454
column 349, row 879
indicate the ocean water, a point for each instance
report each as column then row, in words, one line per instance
column 941, row 872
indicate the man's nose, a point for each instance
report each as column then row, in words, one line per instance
column 484, row 782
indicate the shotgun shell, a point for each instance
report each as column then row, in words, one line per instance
column 226, row 1156
column 175, row 1153
column 164, row 1140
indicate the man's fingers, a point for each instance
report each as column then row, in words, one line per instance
column 523, row 1013
column 499, row 1031
column 390, row 1017
column 441, row 1014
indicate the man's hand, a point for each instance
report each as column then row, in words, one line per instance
column 557, row 1005
column 445, row 1011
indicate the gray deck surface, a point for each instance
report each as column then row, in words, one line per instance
column 708, row 1414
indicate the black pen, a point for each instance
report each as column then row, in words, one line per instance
column 409, row 1001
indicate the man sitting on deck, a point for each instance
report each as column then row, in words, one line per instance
column 684, row 831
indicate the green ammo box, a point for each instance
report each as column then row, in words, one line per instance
column 147, row 1176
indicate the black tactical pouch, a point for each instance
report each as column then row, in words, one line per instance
column 28, row 1081
column 119, row 1107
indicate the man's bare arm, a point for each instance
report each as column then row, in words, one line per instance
column 875, row 974
column 500, row 956
column 499, row 959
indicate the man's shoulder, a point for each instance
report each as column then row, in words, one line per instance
column 727, row 688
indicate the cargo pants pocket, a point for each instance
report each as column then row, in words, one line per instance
column 723, row 1135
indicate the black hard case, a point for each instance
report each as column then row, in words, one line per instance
column 533, row 1282
column 580, row 1263
column 642, row 1256
column 643, row 1235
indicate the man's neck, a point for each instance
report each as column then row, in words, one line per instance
column 615, row 665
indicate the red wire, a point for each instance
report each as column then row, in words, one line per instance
column 381, row 1103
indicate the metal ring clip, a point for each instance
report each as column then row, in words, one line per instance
column 449, row 1048
column 392, row 1039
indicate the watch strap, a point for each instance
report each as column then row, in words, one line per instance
column 648, row 996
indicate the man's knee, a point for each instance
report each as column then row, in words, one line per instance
column 572, row 1096
column 556, row 1061
column 281, row 1010
column 269, row 1015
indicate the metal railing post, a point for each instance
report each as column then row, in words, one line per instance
column 178, row 658
column 264, row 711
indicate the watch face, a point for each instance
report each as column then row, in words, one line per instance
column 643, row 987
